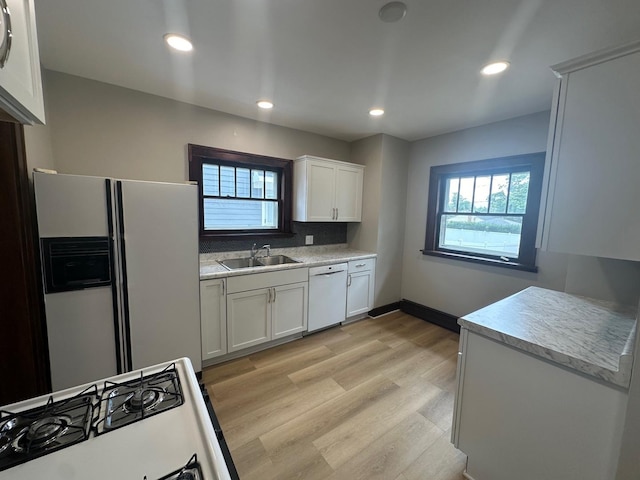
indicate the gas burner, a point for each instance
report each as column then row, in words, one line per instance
column 143, row 399
column 32, row 433
column 134, row 400
column 191, row 471
column 41, row 433
column 5, row 438
column 188, row 475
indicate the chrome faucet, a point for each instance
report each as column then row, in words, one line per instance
column 254, row 250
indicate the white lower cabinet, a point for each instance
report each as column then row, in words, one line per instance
column 289, row 309
column 360, row 286
column 266, row 306
column 249, row 318
column 213, row 318
column 518, row 416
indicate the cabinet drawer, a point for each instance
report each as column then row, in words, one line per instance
column 362, row 265
column 242, row 283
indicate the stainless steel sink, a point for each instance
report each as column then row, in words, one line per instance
column 248, row 262
column 236, row 263
column 276, row 260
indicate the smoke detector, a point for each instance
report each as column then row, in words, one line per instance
column 392, row 12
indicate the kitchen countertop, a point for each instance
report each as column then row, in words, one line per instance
column 591, row 336
column 311, row 256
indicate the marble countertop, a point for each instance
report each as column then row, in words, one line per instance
column 311, row 256
column 591, row 336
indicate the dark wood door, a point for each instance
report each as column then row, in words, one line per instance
column 23, row 353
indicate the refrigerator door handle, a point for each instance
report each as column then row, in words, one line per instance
column 125, row 285
column 114, row 285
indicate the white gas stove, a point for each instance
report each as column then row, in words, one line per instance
column 152, row 424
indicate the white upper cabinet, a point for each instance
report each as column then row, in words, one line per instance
column 593, row 196
column 327, row 190
column 20, row 80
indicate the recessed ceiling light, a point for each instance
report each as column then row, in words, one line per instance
column 392, row 12
column 493, row 68
column 265, row 104
column 178, row 42
column 376, row 112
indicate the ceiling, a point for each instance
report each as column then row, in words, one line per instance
column 325, row 63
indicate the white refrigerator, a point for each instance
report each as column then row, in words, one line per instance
column 120, row 274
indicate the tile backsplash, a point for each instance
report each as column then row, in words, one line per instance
column 323, row 234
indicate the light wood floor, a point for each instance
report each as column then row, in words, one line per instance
column 369, row 400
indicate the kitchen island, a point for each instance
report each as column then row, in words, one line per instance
column 543, row 379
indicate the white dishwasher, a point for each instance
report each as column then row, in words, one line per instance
column 327, row 295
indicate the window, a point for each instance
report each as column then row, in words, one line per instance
column 241, row 193
column 486, row 211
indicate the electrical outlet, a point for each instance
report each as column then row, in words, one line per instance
column 308, row 240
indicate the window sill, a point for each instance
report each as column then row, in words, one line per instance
column 481, row 260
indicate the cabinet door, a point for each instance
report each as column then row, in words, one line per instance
column 359, row 292
column 547, row 423
column 213, row 318
column 289, row 309
column 249, row 318
column 349, row 193
column 595, row 165
column 20, row 82
column 457, row 404
column 321, row 189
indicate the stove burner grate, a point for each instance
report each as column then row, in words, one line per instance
column 32, row 433
column 41, row 433
column 143, row 399
column 191, row 471
column 134, row 400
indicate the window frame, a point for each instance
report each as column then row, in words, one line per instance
column 199, row 155
column 533, row 162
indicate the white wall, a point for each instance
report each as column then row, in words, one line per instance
column 38, row 150
column 101, row 129
column 391, row 225
column 457, row 287
column 606, row 278
column 37, row 139
column 383, row 210
column 367, row 152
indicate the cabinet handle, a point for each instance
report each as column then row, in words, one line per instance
column 349, row 280
column 337, row 213
column 223, row 282
column 358, row 265
column 274, row 295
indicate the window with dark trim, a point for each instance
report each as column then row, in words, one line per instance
column 486, row 211
column 241, row 193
